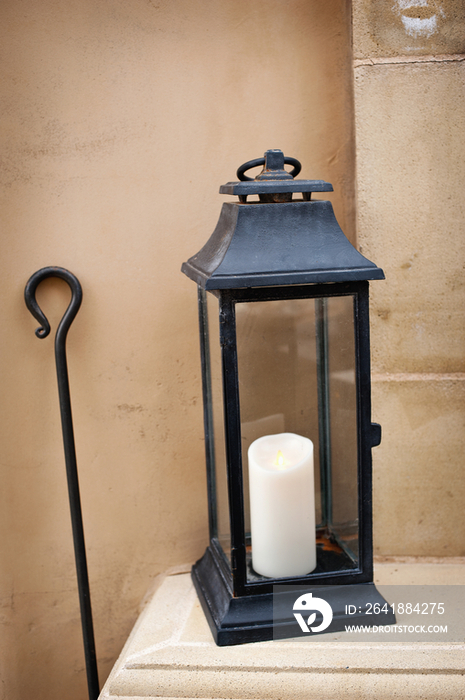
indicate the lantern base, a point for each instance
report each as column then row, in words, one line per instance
column 266, row 616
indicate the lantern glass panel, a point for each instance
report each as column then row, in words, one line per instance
column 343, row 458
column 216, row 456
column 296, row 370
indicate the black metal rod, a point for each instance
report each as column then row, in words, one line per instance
column 70, row 451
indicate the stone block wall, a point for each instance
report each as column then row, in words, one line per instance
column 409, row 74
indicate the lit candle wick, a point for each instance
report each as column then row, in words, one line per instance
column 280, row 461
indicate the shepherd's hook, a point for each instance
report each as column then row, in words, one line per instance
column 70, row 451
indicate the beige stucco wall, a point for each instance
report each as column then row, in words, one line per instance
column 120, row 121
column 409, row 72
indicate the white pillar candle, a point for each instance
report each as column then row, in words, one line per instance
column 282, row 505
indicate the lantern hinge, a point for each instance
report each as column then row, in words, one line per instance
column 226, row 333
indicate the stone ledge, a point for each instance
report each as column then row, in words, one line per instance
column 171, row 654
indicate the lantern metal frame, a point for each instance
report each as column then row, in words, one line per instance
column 243, row 262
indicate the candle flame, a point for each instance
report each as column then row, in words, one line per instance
column 280, row 461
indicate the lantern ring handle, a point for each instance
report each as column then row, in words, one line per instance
column 261, row 161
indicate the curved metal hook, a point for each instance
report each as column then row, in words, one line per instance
column 31, row 302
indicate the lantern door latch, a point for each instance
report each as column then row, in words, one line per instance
column 375, row 434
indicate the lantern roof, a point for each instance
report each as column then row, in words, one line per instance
column 277, row 241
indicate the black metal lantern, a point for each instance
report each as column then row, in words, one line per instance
column 284, row 333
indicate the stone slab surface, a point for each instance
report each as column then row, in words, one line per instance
column 171, row 654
